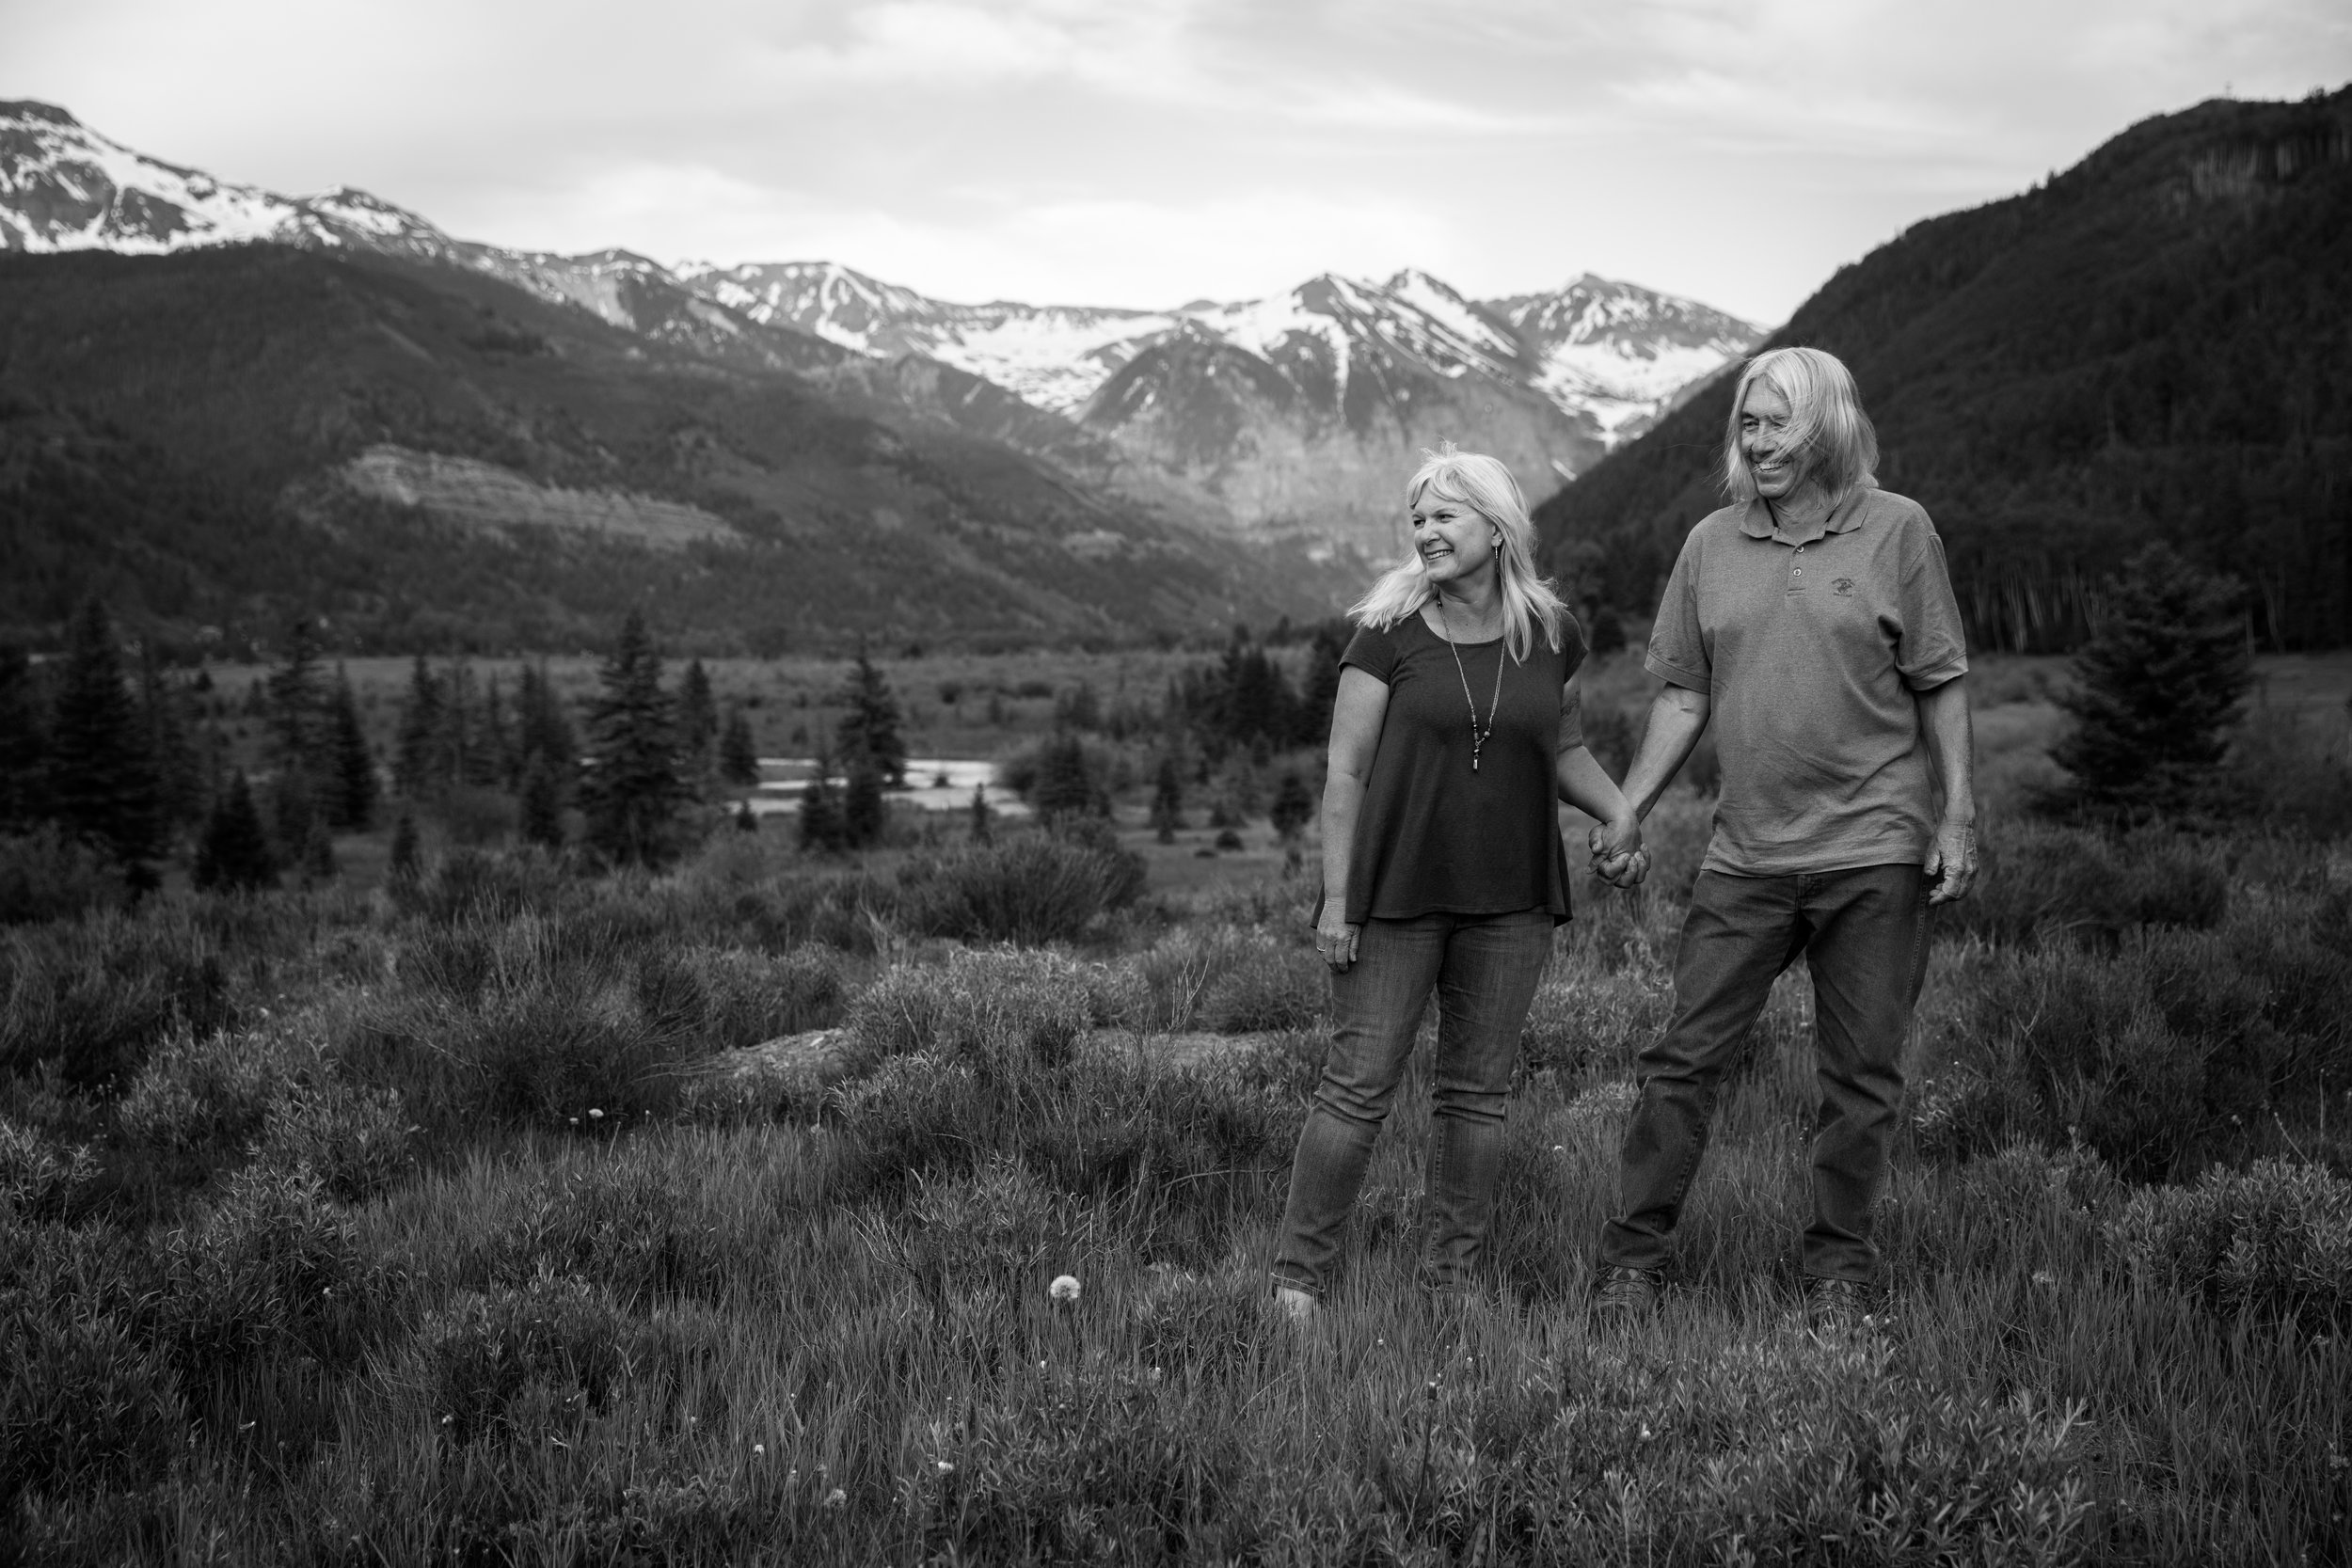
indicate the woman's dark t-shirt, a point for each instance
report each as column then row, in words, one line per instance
column 1432, row 836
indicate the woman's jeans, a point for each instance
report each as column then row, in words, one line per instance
column 1864, row 934
column 1484, row 968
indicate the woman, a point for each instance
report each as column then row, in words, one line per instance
column 1454, row 730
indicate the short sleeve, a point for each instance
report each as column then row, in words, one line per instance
column 1572, row 647
column 1373, row 651
column 1677, row 643
column 1934, row 644
column 1571, row 660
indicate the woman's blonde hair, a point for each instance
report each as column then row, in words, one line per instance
column 1487, row 488
column 1828, row 433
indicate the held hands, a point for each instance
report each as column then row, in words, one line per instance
column 1335, row 939
column 1618, row 858
column 1951, row 866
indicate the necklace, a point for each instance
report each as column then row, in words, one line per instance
column 1494, row 704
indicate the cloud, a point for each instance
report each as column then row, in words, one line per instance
column 1145, row 152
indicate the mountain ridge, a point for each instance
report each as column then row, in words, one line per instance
column 2155, row 342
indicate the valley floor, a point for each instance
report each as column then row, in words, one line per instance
column 408, row 1223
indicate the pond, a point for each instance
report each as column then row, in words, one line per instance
column 933, row 784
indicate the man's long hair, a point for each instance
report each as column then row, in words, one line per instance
column 1487, row 488
column 1829, row 436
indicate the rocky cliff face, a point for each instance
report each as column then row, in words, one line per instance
column 1305, row 415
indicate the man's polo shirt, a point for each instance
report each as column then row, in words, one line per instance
column 1811, row 649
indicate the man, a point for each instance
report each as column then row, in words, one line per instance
column 1813, row 622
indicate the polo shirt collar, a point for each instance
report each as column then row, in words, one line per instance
column 1757, row 521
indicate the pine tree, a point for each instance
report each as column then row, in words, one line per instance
column 234, row 854
column 24, row 743
column 2155, row 691
column 351, row 763
column 297, row 705
column 870, row 728
column 698, row 727
column 983, row 816
column 1064, row 787
column 407, row 856
column 863, row 814
column 631, row 792
column 501, row 764
column 1168, row 799
column 543, row 732
column 414, row 770
column 180, row 792
column 294, row 814
column 820, row 807
column 543, row 803
column 739, row 753
column 1293, row 808
column 101, row 783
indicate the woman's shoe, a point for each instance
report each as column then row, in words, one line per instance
column 1621, row 1294
column 1296, row 1307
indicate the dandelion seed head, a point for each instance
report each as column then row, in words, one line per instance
column 1065, row 1288
column 836, row 1497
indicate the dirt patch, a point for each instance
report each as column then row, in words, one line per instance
column 493, row 499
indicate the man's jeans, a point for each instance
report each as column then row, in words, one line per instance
column 1865, row 937
column 1484, row 968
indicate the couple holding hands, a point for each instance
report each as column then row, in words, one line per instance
column 1812, row 621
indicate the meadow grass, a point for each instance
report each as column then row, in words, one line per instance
column 411, row 1226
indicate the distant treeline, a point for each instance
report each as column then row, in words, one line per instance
column 2156, row 344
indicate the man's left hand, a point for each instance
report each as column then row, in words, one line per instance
column 1952, row 864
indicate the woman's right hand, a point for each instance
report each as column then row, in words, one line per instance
column 1335, row 939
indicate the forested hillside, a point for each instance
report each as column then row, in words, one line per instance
column 434, row 459
column 2156, row 343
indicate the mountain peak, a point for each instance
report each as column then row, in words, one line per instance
column 32, row 108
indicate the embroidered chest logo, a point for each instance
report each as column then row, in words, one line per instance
column 1844, row 587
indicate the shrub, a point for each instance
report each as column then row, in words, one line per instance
column 1270, row 989
column 2292, row 774
column 993, row 1231
column 533, row 1020
column 274, row 1263
column 2273, row 1241
column 1028, row 888
column 644, row 1223
column 38, row 1181
column 85, row 1403
column 1001, row 1011
column 2148, row 1055
column 2040, row 877
column 734, row 998
column 1583, row 1025
column 484, row 885
column 478, row 1362
column 48, row 876
column 206, row 1093
column 93, row 996
column 355, row 1140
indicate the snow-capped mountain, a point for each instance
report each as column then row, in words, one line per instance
column 1303, row 412
column 1613, row 350
column 1267, row 404
column 1296, row 412
column 1622, row 352
column 1053, row 356
column 65, row 187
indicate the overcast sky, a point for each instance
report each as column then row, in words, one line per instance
column 1150, row 151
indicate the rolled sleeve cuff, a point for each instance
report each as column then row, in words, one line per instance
column 1929, row 679
column 1667, row 670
